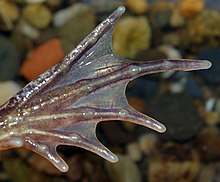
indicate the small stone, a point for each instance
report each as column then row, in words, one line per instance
column 208, row 144
column 203, row 30
column 176, row 87
column 120, row 136
column 62, row 16
column 147, row 143
column 37, row 15
column 172, row 38
column 138, row 6
column 81, row 23
column 131, row 35
column 76, row 170
column 160, row 13
column 212, row 118
column 178, row 113
column 42, row 58
column 7, row 90
column 103, row 6
column 28, row 30
column 8, row 14
column 54, row 4
column 133, row 150
column 9, row 59
column 137, row 103
column 171, row 52
column 124, row 170
column 176, row 19
column 174, row 163
column 190, row 8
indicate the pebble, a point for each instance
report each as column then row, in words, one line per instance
column 137, row 103
column 61, row 17
column 9, row 13
column 171, row 52
column 203, row 30
column 176, row 87
column 178, row 113
column 28, row 30
column 190, row 8
column 7, row 90
column 160, row 13
column 42, row 58
column 172, row 39
column 212, row 75
column 104, row 6
column 176, row 19
column 9, row 59
column 147, row 143
column 174, row 163
column 120, row 136
column 212, row 118
column 124, row 170
column 208, row 144
column 134, row 152
column 137, row 7
column 54, row 4
column 131, row 35
column 37, row 15
column 82, row 22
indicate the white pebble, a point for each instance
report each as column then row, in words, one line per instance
column 63, row 16
column 147, row 143
column 170, row 51
column 7, row 90
column 134, row 151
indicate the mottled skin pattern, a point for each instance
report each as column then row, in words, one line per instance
column 64, row 105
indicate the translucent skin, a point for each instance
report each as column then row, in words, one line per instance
column 63, row 105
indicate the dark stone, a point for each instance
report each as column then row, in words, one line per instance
column 193, row 89
column 211, row 75
column 178, row 113
column 114, row 133
column 208, row 144
column 143, row 87
column 9, row 60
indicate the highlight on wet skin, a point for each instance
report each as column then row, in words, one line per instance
column 63, row 105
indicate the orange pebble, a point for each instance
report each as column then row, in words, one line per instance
column 42, row 58
column 189, row 8
column 137, row 103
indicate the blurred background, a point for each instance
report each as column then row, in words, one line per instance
column 36, row 34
